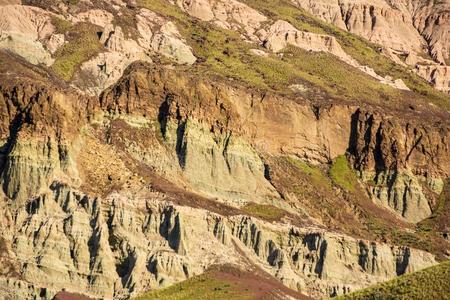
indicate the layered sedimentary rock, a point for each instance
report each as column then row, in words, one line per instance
column 65, row 231
column 116, row 246
column 281, row 34
column 400, row 159
column 230, row 14
column 439, row 76
column 400, row 156
column 35, row 152
column 157, row 179
column 156, row 35
column 377, row 21
column 432, row 20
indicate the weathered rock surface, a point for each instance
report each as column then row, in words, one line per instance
column 439, row 76
column 281, row 34
column 432, row 20
column 156, row 35
column 405, row 27
column 228, row 14
column 119, row 246
column 152, row 182
column 378, row 21
column 22, row 28
column 396, row 157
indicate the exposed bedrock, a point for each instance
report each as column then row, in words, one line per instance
column 117, row 247
column 400, row 160
column 316, row 262
column 37, row 140
column 132, row 239
column 219, row 131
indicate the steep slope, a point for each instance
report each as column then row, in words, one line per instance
column 166, row 139
column 410, row 30
column 431, row 283
column 119, row 157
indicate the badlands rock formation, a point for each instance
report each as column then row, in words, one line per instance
column 281, row 34
column 226, row 14
column 22, row 28
column 173, row 146
column 64, row 238
column 407, row 27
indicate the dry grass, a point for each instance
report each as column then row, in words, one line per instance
column 430, row 283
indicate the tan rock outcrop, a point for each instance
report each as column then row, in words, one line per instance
column 398, row 156
column 316, row 262
column 395, row 157
column 281, row 34
column 439, row 76
column 54, row 42
column 157, row 35
column 378, row 21
column 97, row 17
column 402, row 26
column 229, row 14
column 31, row 164
column 114, row 247
column 432, row 20
column 125, row 193
column 22, row 28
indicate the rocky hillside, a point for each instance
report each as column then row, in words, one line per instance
column 153, row 143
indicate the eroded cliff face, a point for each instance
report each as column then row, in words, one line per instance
column 400, row 160
column 148, row 185
column 121, row 246
column 37, row 135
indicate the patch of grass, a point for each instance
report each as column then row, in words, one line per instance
column 61, row 25
column 430, row 283
column 267, row 212
column 82, row 44
column 342, row 174
column 353, row 212
column 203, row 287
column 317, row 176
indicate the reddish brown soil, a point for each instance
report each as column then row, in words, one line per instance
column 255, row 281
column 63, row 295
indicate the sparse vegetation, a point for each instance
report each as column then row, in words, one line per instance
column 352, row 212
column 317, row 176
column 342, row 174
column 61, row 25
column 82, row 44
column 268, row 212
column 203, row 287
column 430, row 283
column 223, row 52
column 365, row 52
